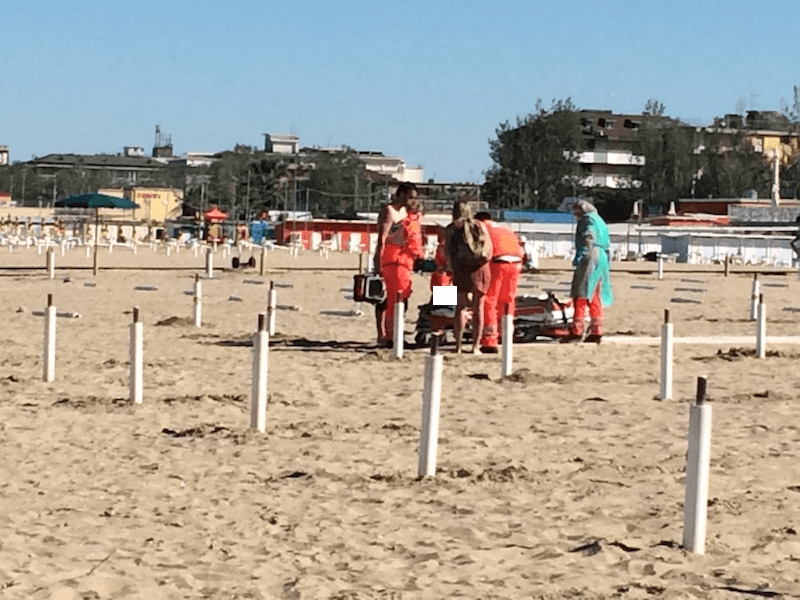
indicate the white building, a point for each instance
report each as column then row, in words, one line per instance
column 393, row 166
column 281, row 143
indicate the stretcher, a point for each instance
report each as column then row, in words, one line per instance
column 542, row 316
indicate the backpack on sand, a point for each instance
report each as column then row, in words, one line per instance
column 470, row 244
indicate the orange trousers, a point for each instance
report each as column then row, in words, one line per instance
column 502, row 294
column 595, row 310
column 397, row 279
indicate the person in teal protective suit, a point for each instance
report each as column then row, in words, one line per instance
column 591, row 281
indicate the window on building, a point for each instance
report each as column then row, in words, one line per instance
column 628, row 124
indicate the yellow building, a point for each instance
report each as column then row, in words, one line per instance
column 766, row 143
column 156, row 205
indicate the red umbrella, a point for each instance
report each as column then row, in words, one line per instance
column 215, row 214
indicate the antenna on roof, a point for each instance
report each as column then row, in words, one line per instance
column 163, row 144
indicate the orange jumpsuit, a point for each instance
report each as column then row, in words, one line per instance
column 441, row 276
column 505, row 267
column 403, row 245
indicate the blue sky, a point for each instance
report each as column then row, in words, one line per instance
column 429, row 81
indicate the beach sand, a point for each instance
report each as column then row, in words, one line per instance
column 565, row 480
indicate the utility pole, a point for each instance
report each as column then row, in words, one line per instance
column 355, row 197
column 233, row 210
column 247, row 200
column 776, row 182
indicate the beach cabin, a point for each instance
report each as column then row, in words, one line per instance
column 746, row 249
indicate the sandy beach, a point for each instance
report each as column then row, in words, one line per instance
column 565, row 480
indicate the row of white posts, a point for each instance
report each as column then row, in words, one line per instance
column 699, row 452
column 136, row 336
column 209, row 257
column 698, row 456
column 758, row 312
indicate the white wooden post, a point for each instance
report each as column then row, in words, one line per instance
column 761, row 336
column 51, row 264
column 431, row 400
column 754, row 294
column 272, row 307
column 209, row 264
column 660, row 267
column 399, row 320
column 666, row 358
column 49, row 357
column 263, row 260
column 198, row 302
column 136, row 340
column 258, row 399
column 697, row 471
column 508, row 343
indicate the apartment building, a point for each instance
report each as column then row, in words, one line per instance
column 609, row 157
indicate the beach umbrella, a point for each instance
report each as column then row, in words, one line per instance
column 95, row 201
column 215, row 214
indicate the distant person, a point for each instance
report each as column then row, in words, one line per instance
column 442, row 275
column 591, row 281
column 402, row 247
column 530, row 261
column 504, row 268
column 391, row 213
column 468, row 249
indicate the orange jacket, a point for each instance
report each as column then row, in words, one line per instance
column 504, row 240
column 404, row 243
column 440, row 259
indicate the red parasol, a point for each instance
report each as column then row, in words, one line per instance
column 215, row 214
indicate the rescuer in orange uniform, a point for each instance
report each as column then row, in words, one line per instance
column 505, row 267
column 403, row 245
column 441, row 276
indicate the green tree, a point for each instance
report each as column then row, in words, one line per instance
column 730, row 166
column 336, row 184
column 227, row 174
column 792, row 112
column 790, row 179
column 667, row 147
column 790, row 174
column 654, row 107
column 268, row 176
column 535, row 160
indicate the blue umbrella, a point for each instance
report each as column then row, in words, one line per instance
column 95, row 201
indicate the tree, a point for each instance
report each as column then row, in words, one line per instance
column 666, row 145
column 730, row 166
column 792, row 112
column 268, row 175
column 653, row 107
column 535, row 160
column 336, row 183
column 243, row 182
column 790, row 179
